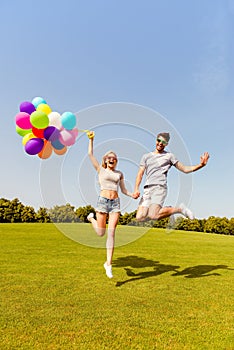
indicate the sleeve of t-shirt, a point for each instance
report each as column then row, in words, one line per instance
column 173, row 159
column 143, row 161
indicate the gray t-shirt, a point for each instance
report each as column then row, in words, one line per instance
column 156, row 167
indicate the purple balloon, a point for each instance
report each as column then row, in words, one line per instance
column 27, row 107
column 34, row 146
column 51, row 133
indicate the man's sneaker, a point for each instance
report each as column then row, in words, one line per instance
column 186, row 212
column 90, row 216
column 172, row 220
column 108, row 269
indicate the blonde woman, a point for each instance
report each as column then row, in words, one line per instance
column 108, row 204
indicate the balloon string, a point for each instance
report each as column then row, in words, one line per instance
column 83, row 130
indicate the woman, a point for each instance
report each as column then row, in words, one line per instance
column 108, row 203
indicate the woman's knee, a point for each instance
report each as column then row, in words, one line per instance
column 100, row 231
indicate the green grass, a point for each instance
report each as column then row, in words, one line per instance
column 171, row 290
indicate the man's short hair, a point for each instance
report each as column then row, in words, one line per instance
column 165, row 135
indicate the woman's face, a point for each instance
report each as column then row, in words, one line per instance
column 111, row 160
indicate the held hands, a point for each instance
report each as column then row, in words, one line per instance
column 136, row 194
column 204, row 158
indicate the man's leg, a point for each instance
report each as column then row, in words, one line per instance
column 142, row 213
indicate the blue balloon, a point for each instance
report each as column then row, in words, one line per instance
column 68, row 120
column 57, row 145
column 37, row 101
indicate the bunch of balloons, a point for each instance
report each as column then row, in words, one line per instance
column 44, row 131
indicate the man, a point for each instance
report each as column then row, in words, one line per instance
column 156, row 165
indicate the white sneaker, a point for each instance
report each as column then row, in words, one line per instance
column 90, row 216
column 108, row 269
column 186, row 212
column 172, row 220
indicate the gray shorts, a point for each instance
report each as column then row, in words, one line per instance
column 106, row 205
column 153, row 194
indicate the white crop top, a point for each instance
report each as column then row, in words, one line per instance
column 109, row 179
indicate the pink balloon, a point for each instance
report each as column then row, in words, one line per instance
column 75, row 132
column 67, row 137
column 22, row 120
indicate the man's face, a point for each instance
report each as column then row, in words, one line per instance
column 161, row 143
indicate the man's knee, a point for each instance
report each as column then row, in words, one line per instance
column 153, row 216
column 154, row 212
column 141, row 214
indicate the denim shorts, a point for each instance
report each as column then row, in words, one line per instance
column 153, row 194
column 106, row 205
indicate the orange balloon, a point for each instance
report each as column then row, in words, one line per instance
column 46, row 151
column 60, row 152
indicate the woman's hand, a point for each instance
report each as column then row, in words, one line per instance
column 90, row 134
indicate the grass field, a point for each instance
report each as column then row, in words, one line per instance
column 169, row 291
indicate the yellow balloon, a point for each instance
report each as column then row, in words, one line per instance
column 44, row 108
column 27, row 137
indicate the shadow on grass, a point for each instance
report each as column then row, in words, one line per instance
column 201, row 271
column 134, row 262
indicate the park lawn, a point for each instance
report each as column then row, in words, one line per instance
column 171, row 290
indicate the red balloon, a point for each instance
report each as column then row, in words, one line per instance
column 38, row 132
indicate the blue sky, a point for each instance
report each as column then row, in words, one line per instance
column 127, row 69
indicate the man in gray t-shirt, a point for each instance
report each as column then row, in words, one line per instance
column 156, row 165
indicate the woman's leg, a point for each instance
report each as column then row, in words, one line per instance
column 99, row 225
column 110, row 242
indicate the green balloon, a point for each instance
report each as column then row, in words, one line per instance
column 39, row 120
column 22, row 132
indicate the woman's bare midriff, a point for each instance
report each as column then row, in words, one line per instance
column 109, row 194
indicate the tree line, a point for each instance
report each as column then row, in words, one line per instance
column 13, row 211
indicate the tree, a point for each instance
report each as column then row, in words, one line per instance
column 28, row 214
column 10, row 211
column 83, row 212
column 127, row 218
column 217, row 225
column 62, row 213
column 42, row 215
column 231, row 226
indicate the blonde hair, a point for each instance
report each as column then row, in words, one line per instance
column 106, row 155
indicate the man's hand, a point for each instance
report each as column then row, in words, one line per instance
column 204, row 158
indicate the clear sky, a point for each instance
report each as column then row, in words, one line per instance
column 128, row 69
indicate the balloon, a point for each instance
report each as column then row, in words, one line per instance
column 67, row 138
column 27, row 107
column 68, row 120
column 37, row 100
column 38, row 132
column 55, row 120
column 75, row 132
column 51, row 133
column 57, row 145
column 22, row 120
column 44, row 108
column 27, row 137
column 22, row 132
column 46, row 150
column 39, row 120
column 44, row 131
column 60, row 152
column 34, row 146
